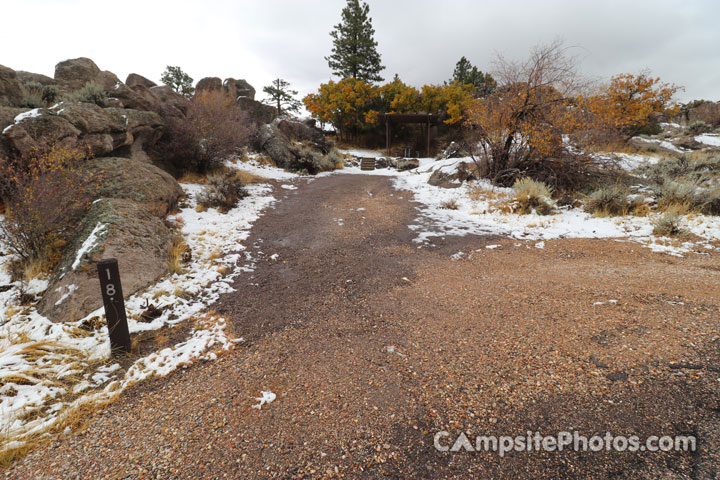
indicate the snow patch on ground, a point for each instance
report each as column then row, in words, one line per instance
column 477, row 213
column 708, row 139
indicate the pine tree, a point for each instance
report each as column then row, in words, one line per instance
column 354, row 53
column 180, row 81
column 282, row 97
column 466, row 73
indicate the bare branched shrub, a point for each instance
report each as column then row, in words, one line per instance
column 532, row 196
column 45, row 197
column 215, row 127
column 222, row 191
column 521, row 124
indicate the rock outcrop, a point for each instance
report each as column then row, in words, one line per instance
column 451, row 176
column 141, row 182
column 105, row 130
column 27, row 77
column 134, row 80
column 11, row 94
column 113, row 228
column 257, row 112
column 208, row 84
column 75, row 73
column 291, row 154
column 239, row 88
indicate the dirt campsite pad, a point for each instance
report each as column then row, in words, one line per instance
column 363, row 349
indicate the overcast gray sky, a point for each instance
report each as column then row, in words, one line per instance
column 421, row 40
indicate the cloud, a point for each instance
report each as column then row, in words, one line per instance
column 419, row 39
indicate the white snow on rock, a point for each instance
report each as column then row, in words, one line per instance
column 89, row 243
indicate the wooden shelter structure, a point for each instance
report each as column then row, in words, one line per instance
column 398, row 118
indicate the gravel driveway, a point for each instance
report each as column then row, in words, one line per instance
column 373, row 345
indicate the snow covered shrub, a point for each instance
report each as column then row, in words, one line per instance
column 222, row 191
column 214, row 128
column 44, row 195
column 608, row 201
column 90, row 93
column 669, row 223
column 532, row 196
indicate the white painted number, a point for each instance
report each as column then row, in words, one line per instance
column 108, row 272
column 110, row 289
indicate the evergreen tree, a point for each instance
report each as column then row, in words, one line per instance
column 180, row 81
column 282, row 97
column 354, row 53
column 466, row 73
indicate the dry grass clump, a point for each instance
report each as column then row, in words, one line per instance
column 532, row 196
column 180, row 254
column 450, row 204
column 669, row 223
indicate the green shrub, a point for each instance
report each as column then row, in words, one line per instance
column 697, row 127
column 677, row 192
column 90, row 93
column 38, row 95
column 532, row 195
column 222, row 191
column 650, row 128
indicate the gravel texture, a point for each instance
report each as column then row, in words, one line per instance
column 372, row 345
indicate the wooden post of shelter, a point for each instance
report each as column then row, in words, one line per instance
column 422, row 118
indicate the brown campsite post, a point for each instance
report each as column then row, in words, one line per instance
column 114, row 304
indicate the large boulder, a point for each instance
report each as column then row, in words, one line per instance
column 11, row 94
column 451, row 176
column 289, row 154
column 208, row 83
column 172, row 103
column 27, row 77
column 129, row 98
column 112, row 228
column 75, row 73
column 38, row 129
column 239, row 88
column 272, row 142
column 134, row 80
column 257, row 112
column 141, row 182
column 302, row 132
